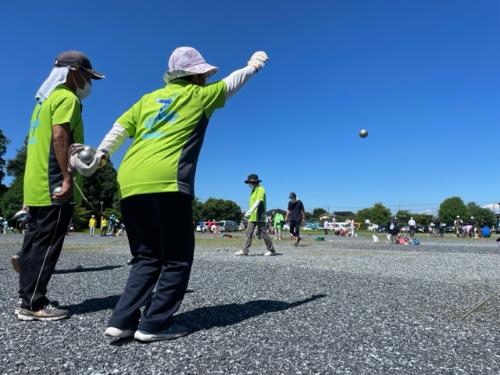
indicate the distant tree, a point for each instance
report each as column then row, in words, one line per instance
column 102, row 186
column 220, row 209
column 378, row 214
column 81, row 216
column 403, row 216
column 308, row 216
column 4, row 141
column 198, row 210
column 423, row 219
column 482, row 216
column 11, row 200
column 363, row 215
column 450, row 208
column 318, row 212
column 15, row 167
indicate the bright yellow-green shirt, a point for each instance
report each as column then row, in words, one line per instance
column 168, row 127
column 42, row 173
column 259, row 214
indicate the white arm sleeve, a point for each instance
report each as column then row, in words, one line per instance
column 255, row 205
column 114, row 139
column 238, row 78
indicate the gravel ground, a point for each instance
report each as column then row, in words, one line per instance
column 348, row 306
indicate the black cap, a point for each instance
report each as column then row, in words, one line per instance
column 77, row 60
column 252, row 178
column 292, row 195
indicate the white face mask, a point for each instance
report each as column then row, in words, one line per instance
column 83, row 93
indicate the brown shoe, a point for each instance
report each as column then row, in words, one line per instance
column 14, row 259
column 48, row 313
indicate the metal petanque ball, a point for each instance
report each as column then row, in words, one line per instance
column 363, row 133
column 87, row 155
column 57, row 190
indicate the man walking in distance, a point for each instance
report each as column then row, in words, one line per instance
column 156, row 179
column 56, row 124
column 256, row 215
column 295, row 216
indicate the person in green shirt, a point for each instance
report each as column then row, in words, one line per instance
column 56, row 123
column 256, row 216
column 156, row 179
column 278, row 222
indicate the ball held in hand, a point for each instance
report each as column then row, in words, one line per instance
column 87, row 155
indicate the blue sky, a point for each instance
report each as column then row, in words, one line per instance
column 421, row 76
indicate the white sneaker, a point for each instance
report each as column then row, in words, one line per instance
column 118, row 333
column 172, row 332
column 270, row 253
column 241, row 252
column 17, row 307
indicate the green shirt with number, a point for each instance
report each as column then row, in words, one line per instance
column 259, row 214
column 168, row 127
column 43, row 173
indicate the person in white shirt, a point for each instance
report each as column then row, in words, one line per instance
column 413, row 226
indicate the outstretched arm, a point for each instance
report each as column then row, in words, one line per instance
column 239, row 77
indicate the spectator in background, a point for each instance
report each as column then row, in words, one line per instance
column 104, row 226
column 325, row 227
column 393, row 229
column 295, row 216
column 5, row 225
column 413, row 226
column 92, row 225
column 438, row 229
column 352, row 226
column 458, row 225
column 278, row 221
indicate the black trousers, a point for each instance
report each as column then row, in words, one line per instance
column 161, row 238
column 295, row 228
column 43, row 241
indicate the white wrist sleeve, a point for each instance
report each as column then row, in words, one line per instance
column 237, row 79
column 255, row 205
column 114, row 139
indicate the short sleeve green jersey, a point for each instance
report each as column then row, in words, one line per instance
column 168, row 127
column 42, row 173
column 259, row 214
column 278, row 220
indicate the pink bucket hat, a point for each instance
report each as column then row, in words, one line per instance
column 187, row 61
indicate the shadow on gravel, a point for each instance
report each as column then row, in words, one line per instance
column 86, row 269
column 226, row 315
column 93, row 305
column 234, row 313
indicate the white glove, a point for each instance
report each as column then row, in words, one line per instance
column 87, row 169
column 258, row 60
column 248, row 214
column 73, row 151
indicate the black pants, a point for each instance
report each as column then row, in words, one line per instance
column 161, row 238
column 43, row 241
column 295, row 228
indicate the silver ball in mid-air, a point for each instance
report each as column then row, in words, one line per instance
column 57, row 190
column 363, row 133
column 87, row 155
